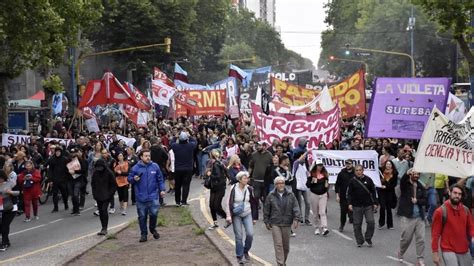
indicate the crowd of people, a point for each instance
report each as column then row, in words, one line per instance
column 246, row 176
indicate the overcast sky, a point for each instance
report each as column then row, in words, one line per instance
column 301, row 16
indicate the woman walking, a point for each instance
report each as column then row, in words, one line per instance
column 30, row 180
column 234, row 167
column 7, row 210
column 387, row 197
column 318, row 184
column 103, row 189
column 217, row 174
column 242, row 211
column 121, row 168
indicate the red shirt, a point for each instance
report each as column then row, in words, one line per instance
column 458, row 227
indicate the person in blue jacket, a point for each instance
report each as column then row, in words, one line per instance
column 149, row 186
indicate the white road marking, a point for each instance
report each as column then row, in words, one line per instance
column 341, row 235
column 29, row 229
column 88, row 209
column 404, row 261
column 55, row 221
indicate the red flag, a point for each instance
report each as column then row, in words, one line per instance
column 180, row 73
column 142, row 101
column 185, row 100
column 138, row 117
column 160, row 75
column 106, row 91
column 88, row 113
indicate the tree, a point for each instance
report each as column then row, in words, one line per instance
column 38, row 37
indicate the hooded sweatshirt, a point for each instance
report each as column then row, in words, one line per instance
column 103, row 182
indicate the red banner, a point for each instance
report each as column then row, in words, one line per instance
column 291, row 94
column 350, row 95
column 318, row 128
column 209, row 102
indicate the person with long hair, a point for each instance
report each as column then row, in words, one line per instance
column 217, row 173
column 8, row 212
column 242, row 211
column 387, row 197
column 121, row 168
column 231, row 148
column 30, row 180
column 318, row 184
column 234, row 167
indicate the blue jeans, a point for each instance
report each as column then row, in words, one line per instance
column 247, row 223
column 203, row 158
column 145, row 209
column 432, row 195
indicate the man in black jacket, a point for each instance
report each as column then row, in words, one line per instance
column 58, row 175
column 361, row 197
column 342, row 182
column 410, row 208
column 159, row 156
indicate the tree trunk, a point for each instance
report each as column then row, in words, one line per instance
column 3, row 103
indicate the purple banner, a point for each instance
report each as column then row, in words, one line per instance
column 400, row 107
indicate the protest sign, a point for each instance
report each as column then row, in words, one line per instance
column 447, row 147
column 209, row 102
column 350, row 95
column 12, row 139
column 91, row 125
column 400, row 107
column 334, row 162
column 128, row 141
column 315, row 128
column 291, row 94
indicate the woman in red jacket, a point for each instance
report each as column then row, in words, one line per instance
column 30, row 180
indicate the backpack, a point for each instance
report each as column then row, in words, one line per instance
column 444, row 215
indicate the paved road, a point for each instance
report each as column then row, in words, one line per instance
column 55, row 228
column 337, row 248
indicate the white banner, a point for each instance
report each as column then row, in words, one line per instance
column 12, row 139
column 334, row 162
column 128, row 141
column 447, row 147
column 92, row 125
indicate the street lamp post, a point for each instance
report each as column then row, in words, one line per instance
column 387, row 52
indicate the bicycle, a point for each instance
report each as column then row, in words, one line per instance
column 46, row 190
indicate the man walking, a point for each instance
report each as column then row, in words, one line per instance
column 183, row 149
column 342, row 182
column 410, row 208
column 259, row 162
column 361, row 197
column 452, row 231
column 149, row 186
column 280, row 212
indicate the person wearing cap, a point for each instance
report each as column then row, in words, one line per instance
column 342, row 182
column 362, row 200
column 30, row 180
column 241, row 194
column 259, row 162
column 281, row 213
column 217, row 173
column 183, row 148
column 318, row 184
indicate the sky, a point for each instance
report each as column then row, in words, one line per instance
column 301, row 16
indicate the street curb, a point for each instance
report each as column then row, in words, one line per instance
column 74, row 257
column 225, row 248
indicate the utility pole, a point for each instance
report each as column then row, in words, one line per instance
column 411, row 28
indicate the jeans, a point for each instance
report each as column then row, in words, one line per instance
column 239, row 222
column 359, row 213
column 74, row 189
column 304, row 194
column 82, row 197
column 432, row 194
column 6, row 220
column 182, row 183
column 145, row 209
column 202, row 159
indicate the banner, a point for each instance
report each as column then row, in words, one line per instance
column 349, row 94
column 12, row 139
column 291, row 94
column 400, row 107
column 57, row 103
column 230, row 85
column 446, row 147
column 128, row 141
column 209, row 102
column 334, row 162
column 315, row 128
column 455, row 108
column 320, row 103
column 92, row 125
column 137, row 116
column 161, row 92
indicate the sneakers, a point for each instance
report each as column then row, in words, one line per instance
column 317, row 232
column 308, row 223
column 124, row 212
column 156, row 235
column 380, row 227
column 54, row 210
column 213, row 226
column 341, row 229
column 75, row 213
column 359, row 245
column 96, row 213
column 400, row 257
column 27, row 220
column 240, row 261
column 3, row 247
column 325, row 232
column 420, row 262
column 369, row 243
column 293, row 234
column 143, row 239
column 112, row 210
column 102, row 232
column 247, row 256
column 37, row 218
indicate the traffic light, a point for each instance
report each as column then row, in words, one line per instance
column 168, row 45
column 332, row 57
column 347, row 52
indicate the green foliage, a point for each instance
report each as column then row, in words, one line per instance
column 199, row 231
column 185, row 217
column 53, row 84
column 383, row 25
column 161, row 221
